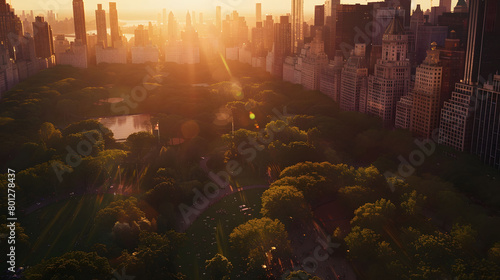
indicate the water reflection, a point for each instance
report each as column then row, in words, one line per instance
column 123, row 126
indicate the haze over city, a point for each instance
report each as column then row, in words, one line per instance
column 148, row 8
column 233, row 139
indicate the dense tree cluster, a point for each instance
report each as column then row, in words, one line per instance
column 440, row 222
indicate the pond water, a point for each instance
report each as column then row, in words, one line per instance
column 123, row 126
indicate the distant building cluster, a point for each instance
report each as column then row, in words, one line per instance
column 431, row 72
column 22, row 54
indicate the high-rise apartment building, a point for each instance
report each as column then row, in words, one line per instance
column 354, row 81
column 351, row 21
column 455, row 127
column 297, row 25
column 100, row 21
column 258, row 12
column 452, row 59
column 79, row 21
column 319, row 15
column 313, row 63
column 269, row 33
column 481, row 60
column 331, row 78
column 113, row 25
column 141, row 36
column 331, row 19
column 426, row 96
column 391, row 78
column 172, row 27
column 282, row 44
column 44, row 43
column 486, row 123
column 11, row 29
column 218, row 19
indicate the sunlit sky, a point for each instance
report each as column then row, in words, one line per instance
column 147, row 8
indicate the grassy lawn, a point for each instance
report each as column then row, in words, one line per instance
column 209, row 234
column 64, row 226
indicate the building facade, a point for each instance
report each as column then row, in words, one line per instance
column 391, row 77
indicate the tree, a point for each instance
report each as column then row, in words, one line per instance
column 124, row 211
column 49, row 135
column 374, row 215
column 355, row 196
column 338, row 175
column 314, row 187
column 465, row 236
column 126, row 235
column 140, row 144
column 285, row 203
column 258, row 238
column 75, row 265
column 299, row 275
column 287, row 154
column 218, row 268
column 283, row 132
column 436, row 252
column 494, row 252
column 370, row 177
column 412, row 203
column 154, row 257
column 90, row 125
column 362, row 243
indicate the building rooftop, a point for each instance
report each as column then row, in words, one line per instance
column 395, row 27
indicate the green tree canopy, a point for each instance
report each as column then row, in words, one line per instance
column 75, row 265
column 218, row 268
column 285, row 203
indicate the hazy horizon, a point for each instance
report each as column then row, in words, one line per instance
column 128, row 11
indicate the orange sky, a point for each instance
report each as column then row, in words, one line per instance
column 142, row 8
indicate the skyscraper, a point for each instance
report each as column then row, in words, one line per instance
column 330, row 45
column 351, row 20
column 402, row 4
column 172, row 27
column 11, row 28
column 268, row 32
column 189, row 25
column 331, row 78
column 474, row 41
column 44, row 44
column 391, row 78
column 486, row 123
column 297, row 25
column 100, row 21
column 426, row 96
column 353, row 81
column 218, row 19
column 113, row 25
column 141, row 36
column 452, row 59
column 464, row 109
column 446, row 4
column 258, row 12
column 319, row 15
column 164, row 17
column 455, row 127
column 282, row 44
column 313, row 63
column 258, row 41
column 79, row 20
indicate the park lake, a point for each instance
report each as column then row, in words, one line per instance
column 123, row 126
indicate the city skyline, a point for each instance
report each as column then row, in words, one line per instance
column 129, row 9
